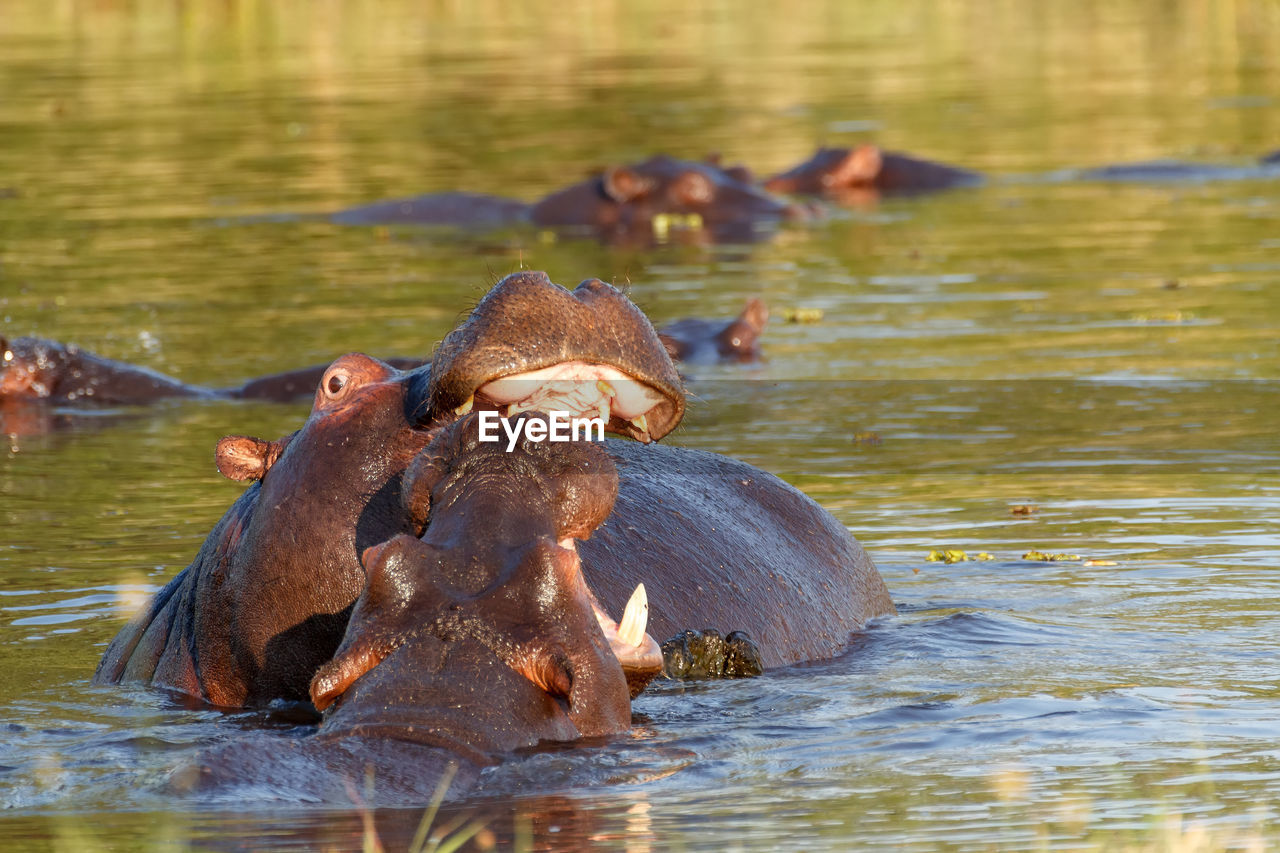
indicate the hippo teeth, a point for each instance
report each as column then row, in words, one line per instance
column 641, row 423
column 634, row 618
column 465, row 407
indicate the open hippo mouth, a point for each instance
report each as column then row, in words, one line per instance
column 602, row 391
column 637, row 652
column 533, row 345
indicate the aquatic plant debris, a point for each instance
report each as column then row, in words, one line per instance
column 955, row 555
column 802, row 315
column 1050, row 558
column 1023, row 509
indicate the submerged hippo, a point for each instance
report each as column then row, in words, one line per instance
column 717, row 542
column 33, row 368
column 694, row 339
column 468, row 644
column 842, row 173
column 1180, row 171
column 621, row 204
column 36, row 369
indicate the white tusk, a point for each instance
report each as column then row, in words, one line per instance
column 635, row 618
column 641, row 422
column 465, row 407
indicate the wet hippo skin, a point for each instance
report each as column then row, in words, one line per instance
column 33, row 368
column 834, row 171
column 625, row 204
column 38, row 369
column 266, row 599
column 465, row 645
column 716, row 541
column 694, row 339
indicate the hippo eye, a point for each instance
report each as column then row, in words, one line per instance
column 737, row 342
column 335, row 382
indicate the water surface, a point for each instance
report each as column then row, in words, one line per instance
column 1105, row 352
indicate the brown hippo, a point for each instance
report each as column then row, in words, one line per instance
column 33, row 368
column 622, row 204
column 843, row 173
column 625, row 200
column 716, row 541
column 39, row 369
column 697, row 340
column 467, row 644
column 267, row 598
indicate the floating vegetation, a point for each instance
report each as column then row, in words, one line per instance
column 1164, row 318
column 954, row 555
column 867, row 439
column 802, row 315
column 1023, row 509
column 1042, row 557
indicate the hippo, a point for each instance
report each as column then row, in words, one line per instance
column 39, row 369
column 33, row 368
column 247, row 622
column 718, row 542
column 625, row 200
column 697, row 340
column 843, row 173
column 1180, row 171
column 457, row 209
column 467, row 644
column 622, row 204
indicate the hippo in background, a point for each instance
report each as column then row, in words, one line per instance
column 634, row 204
column 696, row 340
column 717, row 542
column 464, row 645
column 1177, row 171
column 852, row 175
column 34, row 370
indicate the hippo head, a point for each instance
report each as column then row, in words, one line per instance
column 652, row 197
column 740, row 340
column 829, row 171
column 287, row 555
column 531, row 344
column 484, row 632
column 32, row 367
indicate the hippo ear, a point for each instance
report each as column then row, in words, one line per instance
column 623, row 185
column 242, row 458
column 755, row 314
column 693, row 189
column 859, row 167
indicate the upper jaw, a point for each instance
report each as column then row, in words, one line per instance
column 529, row 329
column 625, row 405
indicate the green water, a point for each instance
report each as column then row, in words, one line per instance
column 1106, row 352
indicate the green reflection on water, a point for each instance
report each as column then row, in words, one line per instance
column 136, row 138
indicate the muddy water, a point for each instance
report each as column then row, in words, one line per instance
column 1106, row 352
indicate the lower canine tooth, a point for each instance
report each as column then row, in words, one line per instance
column 465, row 407
column 635, row 618
column 641, row 422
